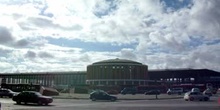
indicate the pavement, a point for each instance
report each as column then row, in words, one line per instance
column 120, row 96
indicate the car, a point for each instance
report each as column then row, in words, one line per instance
column 178, row 91
column 101, row 95
column 195, row 90
column 112, row 92
column 208, row 92
column 152, row 92
column 191, row 96
column 7, row 92
column 219, row 100
column 129, row 90
column 32, row 97
column 214, row 91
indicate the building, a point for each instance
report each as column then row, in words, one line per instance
column 47, row 79
column 114, row 72
column 117, row 72
column 186, row 76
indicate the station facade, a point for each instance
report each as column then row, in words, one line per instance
column 117, row 72
column 114, row 72
column 47, row 79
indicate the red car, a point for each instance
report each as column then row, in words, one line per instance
column 32, row 97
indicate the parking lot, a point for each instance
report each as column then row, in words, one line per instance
column 120, row 96
column 86, row 104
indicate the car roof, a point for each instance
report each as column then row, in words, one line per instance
column 29, row 92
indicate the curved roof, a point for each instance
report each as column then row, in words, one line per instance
column 117, row 60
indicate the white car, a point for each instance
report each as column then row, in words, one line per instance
column 195, row 90
column 178, row 91
column 191, row 96
column 208, row 92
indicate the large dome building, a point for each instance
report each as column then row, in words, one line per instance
column 117, row 72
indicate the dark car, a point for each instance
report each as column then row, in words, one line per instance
column 129, row 90
column 32, row 97
column 101, row 95
column 6, row 92
column 152, row 92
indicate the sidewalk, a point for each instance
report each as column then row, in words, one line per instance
column 120, row 97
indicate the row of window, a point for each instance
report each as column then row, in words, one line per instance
column 45, row 80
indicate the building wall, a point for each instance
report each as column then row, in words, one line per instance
column 46, row 79
column 117, row 72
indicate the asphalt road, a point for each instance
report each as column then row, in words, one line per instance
column 70, row 104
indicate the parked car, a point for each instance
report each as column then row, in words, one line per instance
column 112, row 92
column 195, row 90
column 152, row 92
column 101, row 95
column 32, row 97
column 178, row 91
column 207, row 92
column 219, row 100
column 7, row 92
column 191, row 96
column 129, row 90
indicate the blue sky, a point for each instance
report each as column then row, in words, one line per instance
column 54, row 35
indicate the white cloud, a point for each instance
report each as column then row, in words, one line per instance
column 5, row 36
column 157, row 37
column 205, row 18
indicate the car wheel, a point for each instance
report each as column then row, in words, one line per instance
column 93, row 99
column 39, row 102
column 191, row 98
column 133, row 93
column 46, row 103
column 18, row 102
column 179, row 93
column 113, row 99
column 186, row 100
column 169, row 93
column 206, row 99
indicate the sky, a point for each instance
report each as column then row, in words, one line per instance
column 69, row 35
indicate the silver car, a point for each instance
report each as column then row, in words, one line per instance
column 178, row 91
column 191, row 96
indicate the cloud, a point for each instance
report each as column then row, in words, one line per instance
column 128, row 54
column 155, row 32
column 205, row 18
column 31, row 54
column 45, row 55
column 5, row 36
column 22, row 43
